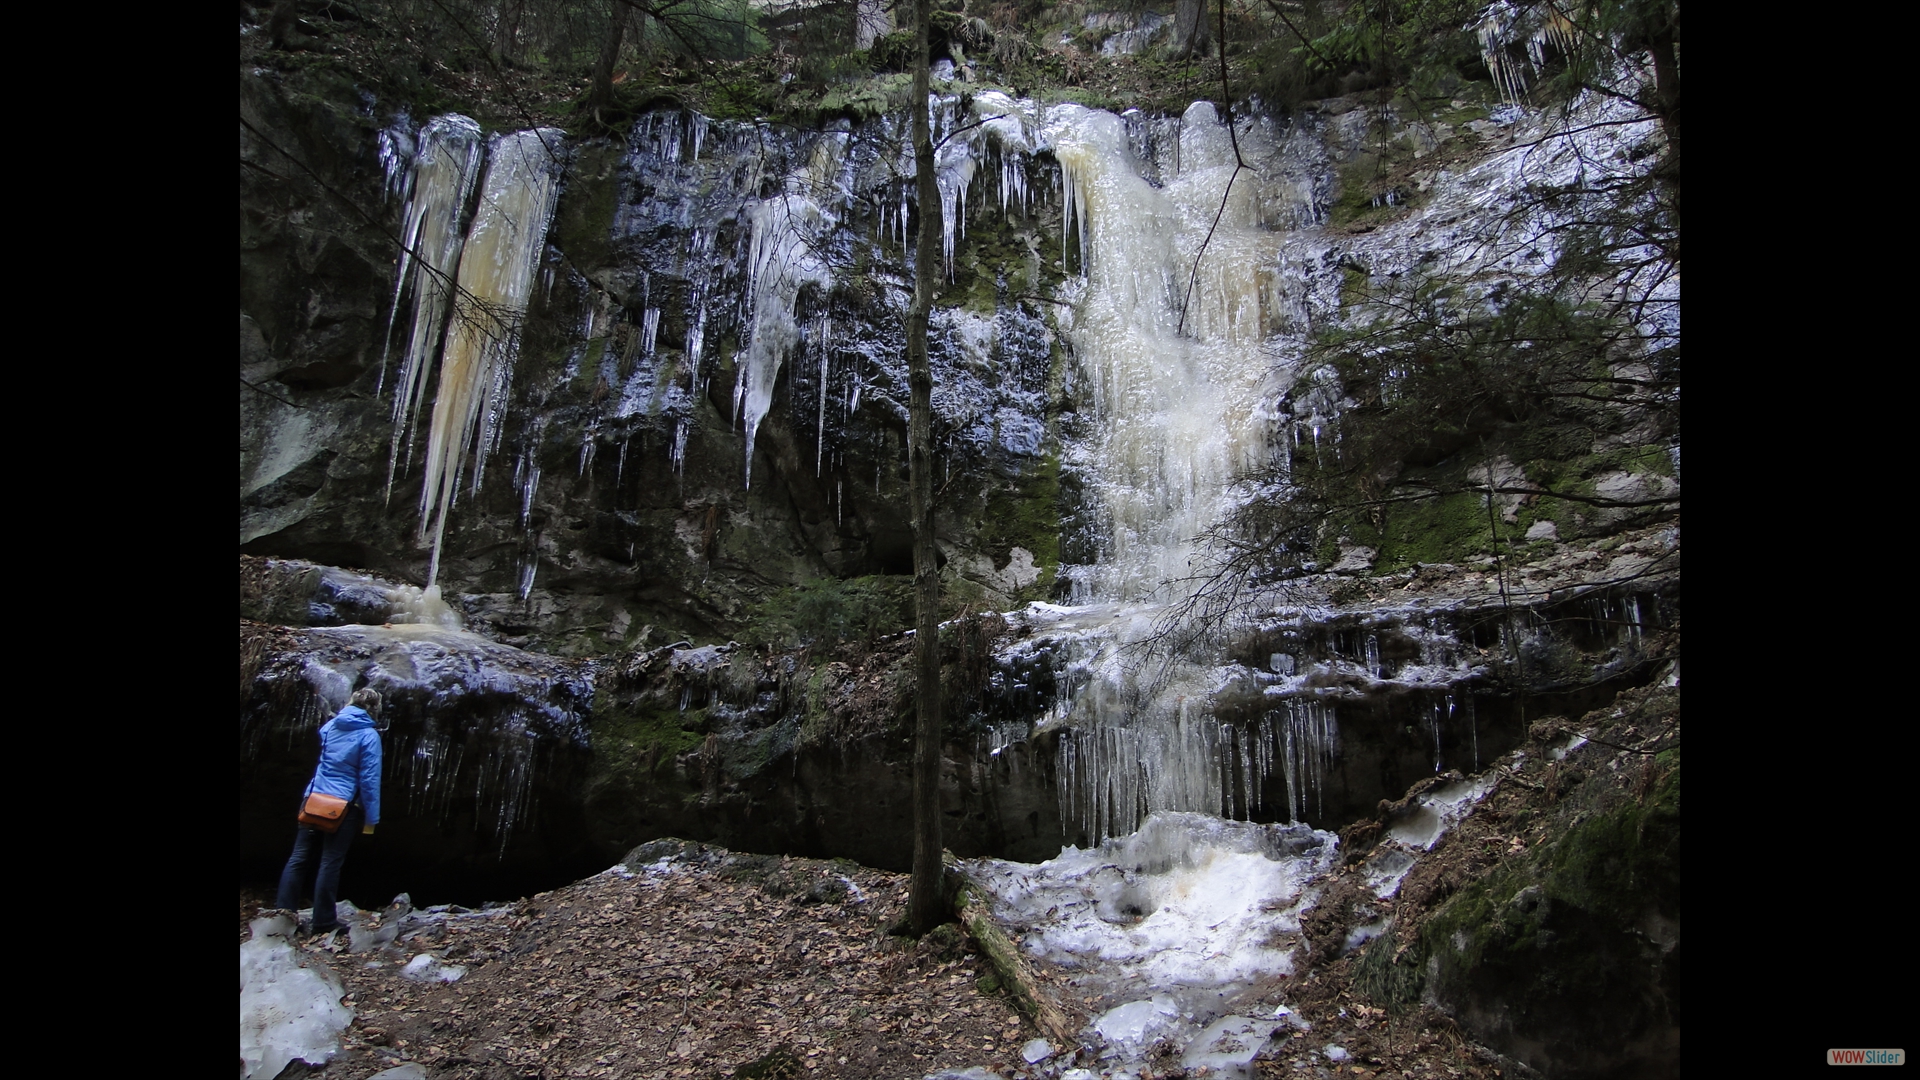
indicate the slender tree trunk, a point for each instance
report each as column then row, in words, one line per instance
column 1189, row 28
column 507, row 33
column 1666, row 82
column 601, row 95
column 926, row 904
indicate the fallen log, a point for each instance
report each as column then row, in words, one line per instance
column 1024, row 983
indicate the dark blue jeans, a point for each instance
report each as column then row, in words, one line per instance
column 330, row 851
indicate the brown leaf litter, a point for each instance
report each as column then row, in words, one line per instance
column 719, row 967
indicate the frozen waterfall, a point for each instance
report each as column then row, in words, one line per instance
column 480, row 307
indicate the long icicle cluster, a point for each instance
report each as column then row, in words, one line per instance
column 494, row 285
column 471, row 286
column 1505, row 24
column 445, row 170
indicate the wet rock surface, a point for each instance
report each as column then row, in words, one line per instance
column 1545, row 923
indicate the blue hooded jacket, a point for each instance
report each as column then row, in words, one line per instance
column 350, row 760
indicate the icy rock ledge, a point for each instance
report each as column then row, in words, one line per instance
column 286, row 1011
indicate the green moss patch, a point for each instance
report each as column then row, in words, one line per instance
column 1555, row 932
column 826, row 611
column 636, row 739
column 1027, row 515
column 1445, row 529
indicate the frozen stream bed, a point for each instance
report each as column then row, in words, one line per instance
column 1180, row 935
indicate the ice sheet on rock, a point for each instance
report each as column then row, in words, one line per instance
column 1559, row 753
column 1131, row 1029
column 1228, row 1047
column 287, row 1011
column 1386, row 869
column 368, row 938
column 1437, row 811
column 409, row 1071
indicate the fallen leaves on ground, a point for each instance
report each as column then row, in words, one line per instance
column 693, row 970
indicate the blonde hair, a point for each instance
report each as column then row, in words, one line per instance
column 366, row 698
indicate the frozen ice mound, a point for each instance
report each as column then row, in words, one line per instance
column 287, row 1011
column 1189, row 902
column 1172, row 931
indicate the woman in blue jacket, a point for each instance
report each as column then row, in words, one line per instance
column 350, row 769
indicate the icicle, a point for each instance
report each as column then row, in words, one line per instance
column 527, row 490
column 1433, row 727
column 820, row 441
column 1473, row 726
column 649, row 332
column 443, row 177
column 677, row 453
column 781, row 263
column 495, row 279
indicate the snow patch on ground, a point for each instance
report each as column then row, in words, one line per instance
column 424, row 968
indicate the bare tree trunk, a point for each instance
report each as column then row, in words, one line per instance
column 507, row 32
column 1661, row 43
column 1189, row 28
column 926, row 906
column 601, row 95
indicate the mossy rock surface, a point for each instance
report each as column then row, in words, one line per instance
column 1558, row 957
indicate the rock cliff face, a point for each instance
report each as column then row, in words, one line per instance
column 659, row 370
column 588, row 452
column 670, row 583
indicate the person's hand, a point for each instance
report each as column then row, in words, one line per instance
column 366, row 830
